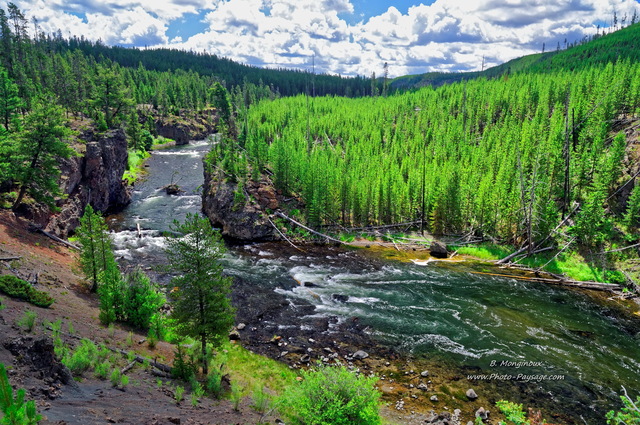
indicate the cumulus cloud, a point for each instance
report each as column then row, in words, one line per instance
column 447, row 35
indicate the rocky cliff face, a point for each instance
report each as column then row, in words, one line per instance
column 240, row 220
column 94, row 177
column 184, row 128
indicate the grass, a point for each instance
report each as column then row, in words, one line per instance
column 571, row 264
column 484, row 251
column 255, row 371
column 135, row 165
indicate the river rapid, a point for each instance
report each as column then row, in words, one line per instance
column 568, row 348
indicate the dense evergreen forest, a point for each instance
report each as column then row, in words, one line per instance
column 285, row 82
column 505, row 159
column 65, row 80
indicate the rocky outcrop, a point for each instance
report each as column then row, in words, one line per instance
column 93, row 177
column 241, row 216
column 186, row 127
column 438, row 250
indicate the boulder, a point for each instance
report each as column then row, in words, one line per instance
column 360, row 355
column 340, row 298
column 438, row 250
column 482, row 414
column 471, row 394
column 424, row 373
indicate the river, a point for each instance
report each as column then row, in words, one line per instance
column 557, row 341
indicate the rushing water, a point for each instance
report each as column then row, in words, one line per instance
column 582, row 350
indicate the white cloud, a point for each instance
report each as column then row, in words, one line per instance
column 448, row 35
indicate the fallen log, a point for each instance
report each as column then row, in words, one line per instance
column 283, row 236
column 9, row 258
column 128, row 367
column 57, row 239
column 597, row 286
column 141, row 360
column 160, row 374
column 308, row 229
column 512, row 255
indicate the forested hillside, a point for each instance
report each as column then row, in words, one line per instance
column 285, row 82
column 597, row 50
column 505, row 158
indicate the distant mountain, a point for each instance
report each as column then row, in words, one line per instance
column 600, row 49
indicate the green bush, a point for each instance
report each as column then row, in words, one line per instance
column 23, row 290
column 15, row 411
column 28, row 320
column 83, row 358
column 628, row 415
column 102, row 370
column 184, row 365
column 214, row 383
column 332, row 395
column 115, row 377
column 142, row 301
column 513, row 412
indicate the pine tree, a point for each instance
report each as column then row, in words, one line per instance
column 9, row 100
column 96, row 256
column 632, row 216
column 201, row 305
column 39, row 147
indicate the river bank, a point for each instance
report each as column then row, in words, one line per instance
column 266, row 315
column 435, row 317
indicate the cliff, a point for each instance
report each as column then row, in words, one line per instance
column 93, row 177
column 186, row 126
column 241, row 216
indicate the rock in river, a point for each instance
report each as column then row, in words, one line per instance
column 438, row 250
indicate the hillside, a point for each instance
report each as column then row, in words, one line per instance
column 599, row 50
column 285, row 82
column 509, row 160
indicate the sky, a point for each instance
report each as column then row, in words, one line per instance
column 345, row 37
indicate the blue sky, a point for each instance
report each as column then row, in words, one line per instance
column 346, row 37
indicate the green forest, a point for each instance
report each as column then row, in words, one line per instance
column 507, row 159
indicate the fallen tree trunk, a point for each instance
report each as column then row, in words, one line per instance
column 283, row 236
column 512, row 255
column 308, row 229
column 598, row 286
column 57, row 239
column 9, row 258
column 140, row 359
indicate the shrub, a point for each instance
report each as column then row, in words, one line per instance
column 261, row 400
column 332, row 395
column 102, row 370
column 14, row 409
column 629, row 414
column 115, row 377
column 513, row 412
column 142, row 300
column 28, row 320
column 83, row 358
column 184, row 365
column 214, row 383
column 23, row 290
column 179, row 393
column 236, row 396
